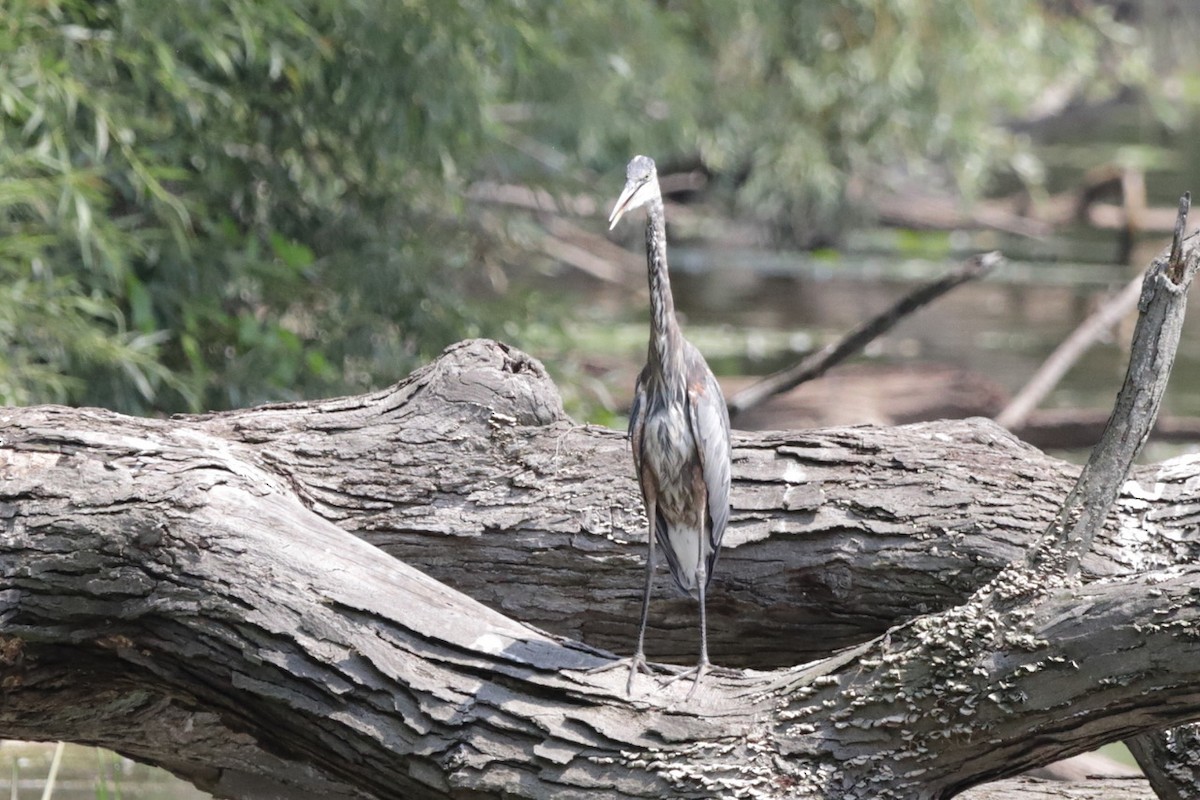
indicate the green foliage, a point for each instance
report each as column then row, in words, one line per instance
column 209, row 204
column 213, row 203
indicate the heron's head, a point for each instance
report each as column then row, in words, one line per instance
column 641, row 186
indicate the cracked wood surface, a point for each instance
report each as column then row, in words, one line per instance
column 183, row 591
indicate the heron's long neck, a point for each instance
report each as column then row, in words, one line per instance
column 665, row 347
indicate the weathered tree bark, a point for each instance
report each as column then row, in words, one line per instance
column 1171, row 760
column 1032, row 789
column 184, row 592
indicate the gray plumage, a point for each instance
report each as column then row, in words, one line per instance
column 678, row 429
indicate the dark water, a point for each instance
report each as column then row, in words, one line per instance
column 1002, row 327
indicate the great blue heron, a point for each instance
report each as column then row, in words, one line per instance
column 679, row 430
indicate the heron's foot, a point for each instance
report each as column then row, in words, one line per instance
column 608, row 667
column 636, row 663
column 697, row 672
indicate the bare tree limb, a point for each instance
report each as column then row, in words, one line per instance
column 1051, row 569
column 1162, row 305
column 1171, row 760
column 818, row 363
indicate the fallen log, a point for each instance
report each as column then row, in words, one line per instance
column 185, row 592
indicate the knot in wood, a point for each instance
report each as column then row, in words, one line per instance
column 482, row 373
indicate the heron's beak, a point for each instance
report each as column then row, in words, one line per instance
column 623, row 203
column 633, row 196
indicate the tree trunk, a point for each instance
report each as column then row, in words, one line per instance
column 184, row 592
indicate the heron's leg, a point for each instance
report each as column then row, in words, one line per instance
column 639, row 657
column 637, row 662
column 703, row 666
column 701, row 580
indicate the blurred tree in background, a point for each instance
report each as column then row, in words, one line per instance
column 212, row 204
column 215, row 203
column 791, row 102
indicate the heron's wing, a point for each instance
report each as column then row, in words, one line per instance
column 635, row 421
column 639, row 400
column 710, row 426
